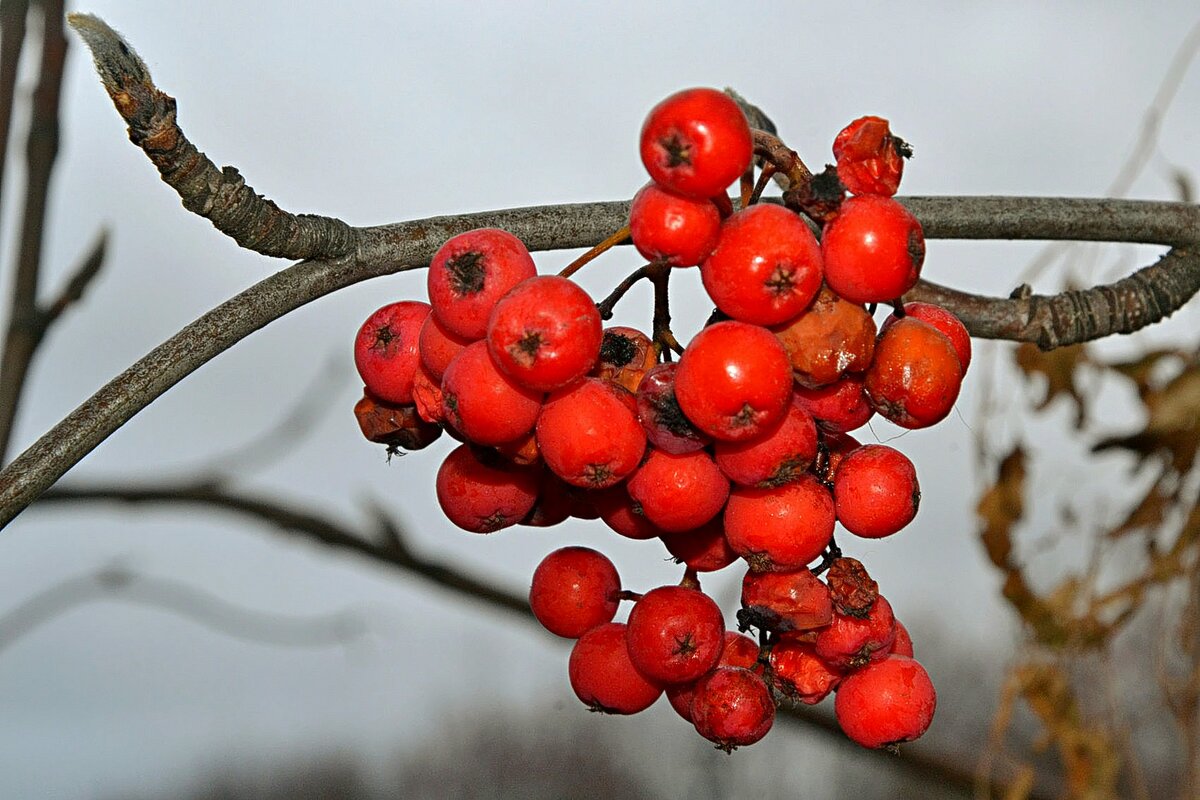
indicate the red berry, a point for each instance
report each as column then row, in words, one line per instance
column 781, row 455
column 839, row 407
column 785, row 601
column 482, row 498
column 848, row 642
column 482, row 403
column 887, row 702
column 732, row 707
column 470, row 273
column 734, row 380
column 604, row 678
column 873, row 250
column 619, row 512
column 739, row 651
column 704, row 549
column 675, row 634
column 669, row 227
column 945, row 322
column 766, row 267
column 696, row 142
column 782, row 528
column 870, row 160
column 554, row 502
column 875, row 491
column 438, row 346
column 574, row 589
column 666, row 426
column 916, row 375
column 545, row 333
column 589, row 434
column 386, row 353
column 799, row 673
column 679, row 492
column 902, row 645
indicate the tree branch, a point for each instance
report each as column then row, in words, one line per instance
column 393, row 551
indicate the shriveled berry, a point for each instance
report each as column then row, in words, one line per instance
column 734, row 380
column 832, row 338
column 626, row 355
column 798, row 673
column 386, row 352
column 399, row 427
column 696, row 142
column 666, row 426
column 886, row 703
column 766, row 267
column 675, row 634
column 545, row 333
column 785, row 601
column 573, row 590
column 870, row 160
column 732, row 707
column 480, row 497
column 604, row 678
column 875, row 491
column 470, row 273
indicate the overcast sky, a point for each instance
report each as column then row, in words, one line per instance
column 380, row 112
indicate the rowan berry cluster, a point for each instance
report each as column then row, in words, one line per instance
column 738, row 451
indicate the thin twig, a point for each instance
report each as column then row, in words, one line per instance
column 12, row 40
column 285, row 518
column 190, row 602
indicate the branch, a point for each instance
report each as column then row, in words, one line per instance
column 392, row 551
column 219, row 195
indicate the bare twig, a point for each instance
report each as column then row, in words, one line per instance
column 392, row 550
column 12, row 40
column 41, row 149
column 204, row 608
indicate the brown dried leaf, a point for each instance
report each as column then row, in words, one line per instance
column 1173, row 427
column 1148, row 513
column 1059, row 368
column 1001, row 507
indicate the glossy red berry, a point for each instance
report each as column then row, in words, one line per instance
column 386, row 351
column 732, row 707
column 675, row 634
column 766, row 267
column 620, row 512
column 679, row 492
column 870, row 160
column 669, row 227
column 887, row 702
column 739, row 651
column 902, row 645
column 781, row 528
column 589, row 434
column 916, row 375
column 545, row 333
column 839, row 407
column 438, row 346
column 483, row 404
column 696, row 142
column 704, row 549
column 734, row 380
column 944, row 321
column 574, row 589
column 780, row 455
column 480, row 497
column 875, row 491
column 604, row 678
column 470, row 273
column 873, row 250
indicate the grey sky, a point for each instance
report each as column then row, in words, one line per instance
column 378, row 112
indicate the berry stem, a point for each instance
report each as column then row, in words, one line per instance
column 747, row 187
column 784, row 159
column 605, row 306
column 628, row 594
column 691, row 579
column 664, row 340
column 764, row 177
column 832, row 553
column 612, row 241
